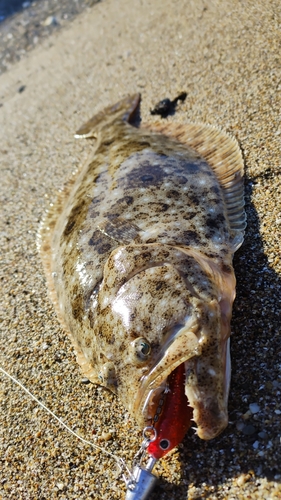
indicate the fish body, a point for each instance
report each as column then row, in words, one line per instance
column 138, row 251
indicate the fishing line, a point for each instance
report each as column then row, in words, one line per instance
column 120, row 462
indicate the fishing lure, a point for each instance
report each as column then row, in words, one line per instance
column 173, row 418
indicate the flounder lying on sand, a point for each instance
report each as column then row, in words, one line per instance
column 138, row 252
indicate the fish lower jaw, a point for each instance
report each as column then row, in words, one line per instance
column 209, row 424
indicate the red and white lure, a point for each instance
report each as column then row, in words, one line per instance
column 173, row 417
column 170, row 424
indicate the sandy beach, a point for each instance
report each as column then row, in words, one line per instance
column 226, row 55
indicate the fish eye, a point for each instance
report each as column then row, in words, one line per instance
column 164, row 444
column 142, row 348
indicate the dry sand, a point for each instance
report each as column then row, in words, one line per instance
column 226, row 55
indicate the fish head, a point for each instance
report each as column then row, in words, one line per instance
column 159, row 307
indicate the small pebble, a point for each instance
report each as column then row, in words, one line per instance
column 106, row 436
column 240, row 425
column 254, row 408
column 242, row 479
column 262, row 435
column 248, row 430
column 50, row 21
column 85, row 380
column 247, row 415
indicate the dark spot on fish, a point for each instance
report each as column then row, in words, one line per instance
column 191, row 236
column 104, row 248
column 193, row 198
column 69, row 228
column 146, row 256
column 98, row 178
column 146, row 324
column 215, row 189
column 89, row 263
column 225, row 268
column 223, row 251
column 147, row 178
column 192, row 168
column 97, row 200
column 151, row 307
column 130, row 249
column 214, row 223
column 126, row 199
column 101, row 242
column 181, row 179
column 91, row 318
column 94, row 214
column 143, row 176
column 155, row 345
column 159, row 285
column 77, row 308
column 159, row 207
column 212, row 255
column 165, row 254
column 173, row 194
column 189, row 216
column 112, row 215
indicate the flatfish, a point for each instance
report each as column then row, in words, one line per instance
column 137, row 251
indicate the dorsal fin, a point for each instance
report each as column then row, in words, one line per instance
column 223, row 154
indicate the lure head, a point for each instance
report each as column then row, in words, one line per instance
column 159, row 307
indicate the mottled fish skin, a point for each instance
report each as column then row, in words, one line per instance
column 138, row 256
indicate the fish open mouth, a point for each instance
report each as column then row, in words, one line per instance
column 184, row 349
column 182, row 345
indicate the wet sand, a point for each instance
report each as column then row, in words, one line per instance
column 226, row 56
